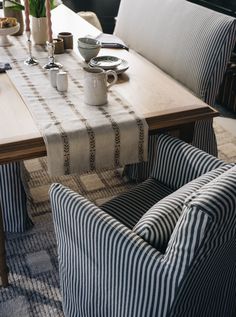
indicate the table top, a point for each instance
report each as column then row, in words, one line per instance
column 159, row 98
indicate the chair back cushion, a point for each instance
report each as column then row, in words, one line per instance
column 130, row 206
column 209, row 286
column 158, row 223
column 187, row 41
column 177, row 163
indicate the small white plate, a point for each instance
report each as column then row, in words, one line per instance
column 105, row 62
column 122, row 67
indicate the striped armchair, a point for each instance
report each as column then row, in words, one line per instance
column 166, row 248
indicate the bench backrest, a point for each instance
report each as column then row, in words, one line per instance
column 191, row 43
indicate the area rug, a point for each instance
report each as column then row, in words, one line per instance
column 34, row 289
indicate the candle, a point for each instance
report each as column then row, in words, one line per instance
column 27, row 20
column 49, row 23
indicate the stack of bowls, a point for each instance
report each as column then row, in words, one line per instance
column 88, row 47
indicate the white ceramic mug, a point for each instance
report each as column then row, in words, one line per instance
column 96, row 85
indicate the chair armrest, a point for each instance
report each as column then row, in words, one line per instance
column 105, row 268
column 177, row 162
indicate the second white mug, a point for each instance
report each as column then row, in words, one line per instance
column 96, row 85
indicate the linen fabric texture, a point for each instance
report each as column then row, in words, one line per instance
column 79, row 138
column 189, row 42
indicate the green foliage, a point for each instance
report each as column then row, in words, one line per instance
column 37, row 7
column 13, row 5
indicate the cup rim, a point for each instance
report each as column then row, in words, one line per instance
column 57, row 40
column 84, row 42
column 65, row 34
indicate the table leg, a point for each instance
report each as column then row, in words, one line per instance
column 3, row 264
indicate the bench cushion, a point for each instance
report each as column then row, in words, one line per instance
column 189, row 42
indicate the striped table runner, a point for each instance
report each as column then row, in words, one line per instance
column 78, row 137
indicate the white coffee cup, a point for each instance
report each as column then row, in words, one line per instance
column 62, row 81
column 96, row 85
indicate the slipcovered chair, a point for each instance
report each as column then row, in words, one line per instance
column 13, row 198
column 165, row 248
column 3, row 264
column 190, row 43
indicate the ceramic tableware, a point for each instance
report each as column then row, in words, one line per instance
column 62, row 81
column 105, row 62
column 53, row 76
column 67, row 39
column 96, row 85
column 4, row 41
column 59, row 46
column 88, row 48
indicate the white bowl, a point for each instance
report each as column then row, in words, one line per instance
column 88, row 53
column 87, row 42
column 4, row 41
column 88, row 47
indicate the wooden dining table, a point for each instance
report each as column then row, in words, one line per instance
column 161, row 100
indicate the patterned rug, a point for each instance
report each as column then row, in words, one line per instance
column 32, row 257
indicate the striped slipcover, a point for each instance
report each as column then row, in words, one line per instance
column 189, row 42
column 157, row 224
column 13, row 199
column 108, row 270
column 143, row 208
column 209, row 288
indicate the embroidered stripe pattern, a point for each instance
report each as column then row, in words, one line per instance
column 116, row 128
column 139, row 124
column 114, row 125
column 51, row 118
column 46, row 107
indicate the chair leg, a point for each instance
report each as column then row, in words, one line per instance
column 3, row 264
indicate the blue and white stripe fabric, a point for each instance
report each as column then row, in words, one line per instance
column 158, row 223
column 13, row 199
column 189, row 42
column 177, row 163
column 194, row 49
column 130, row 206
column 210, row 284
column 107, row 270
column 146, row 209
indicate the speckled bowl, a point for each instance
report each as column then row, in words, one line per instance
column 88, row 48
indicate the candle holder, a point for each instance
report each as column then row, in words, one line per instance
column 51, row 59
column 30, row 61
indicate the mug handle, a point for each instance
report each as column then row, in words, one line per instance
column 114, row 74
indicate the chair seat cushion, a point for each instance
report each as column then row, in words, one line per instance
column 130, row 206
column 158, row 223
